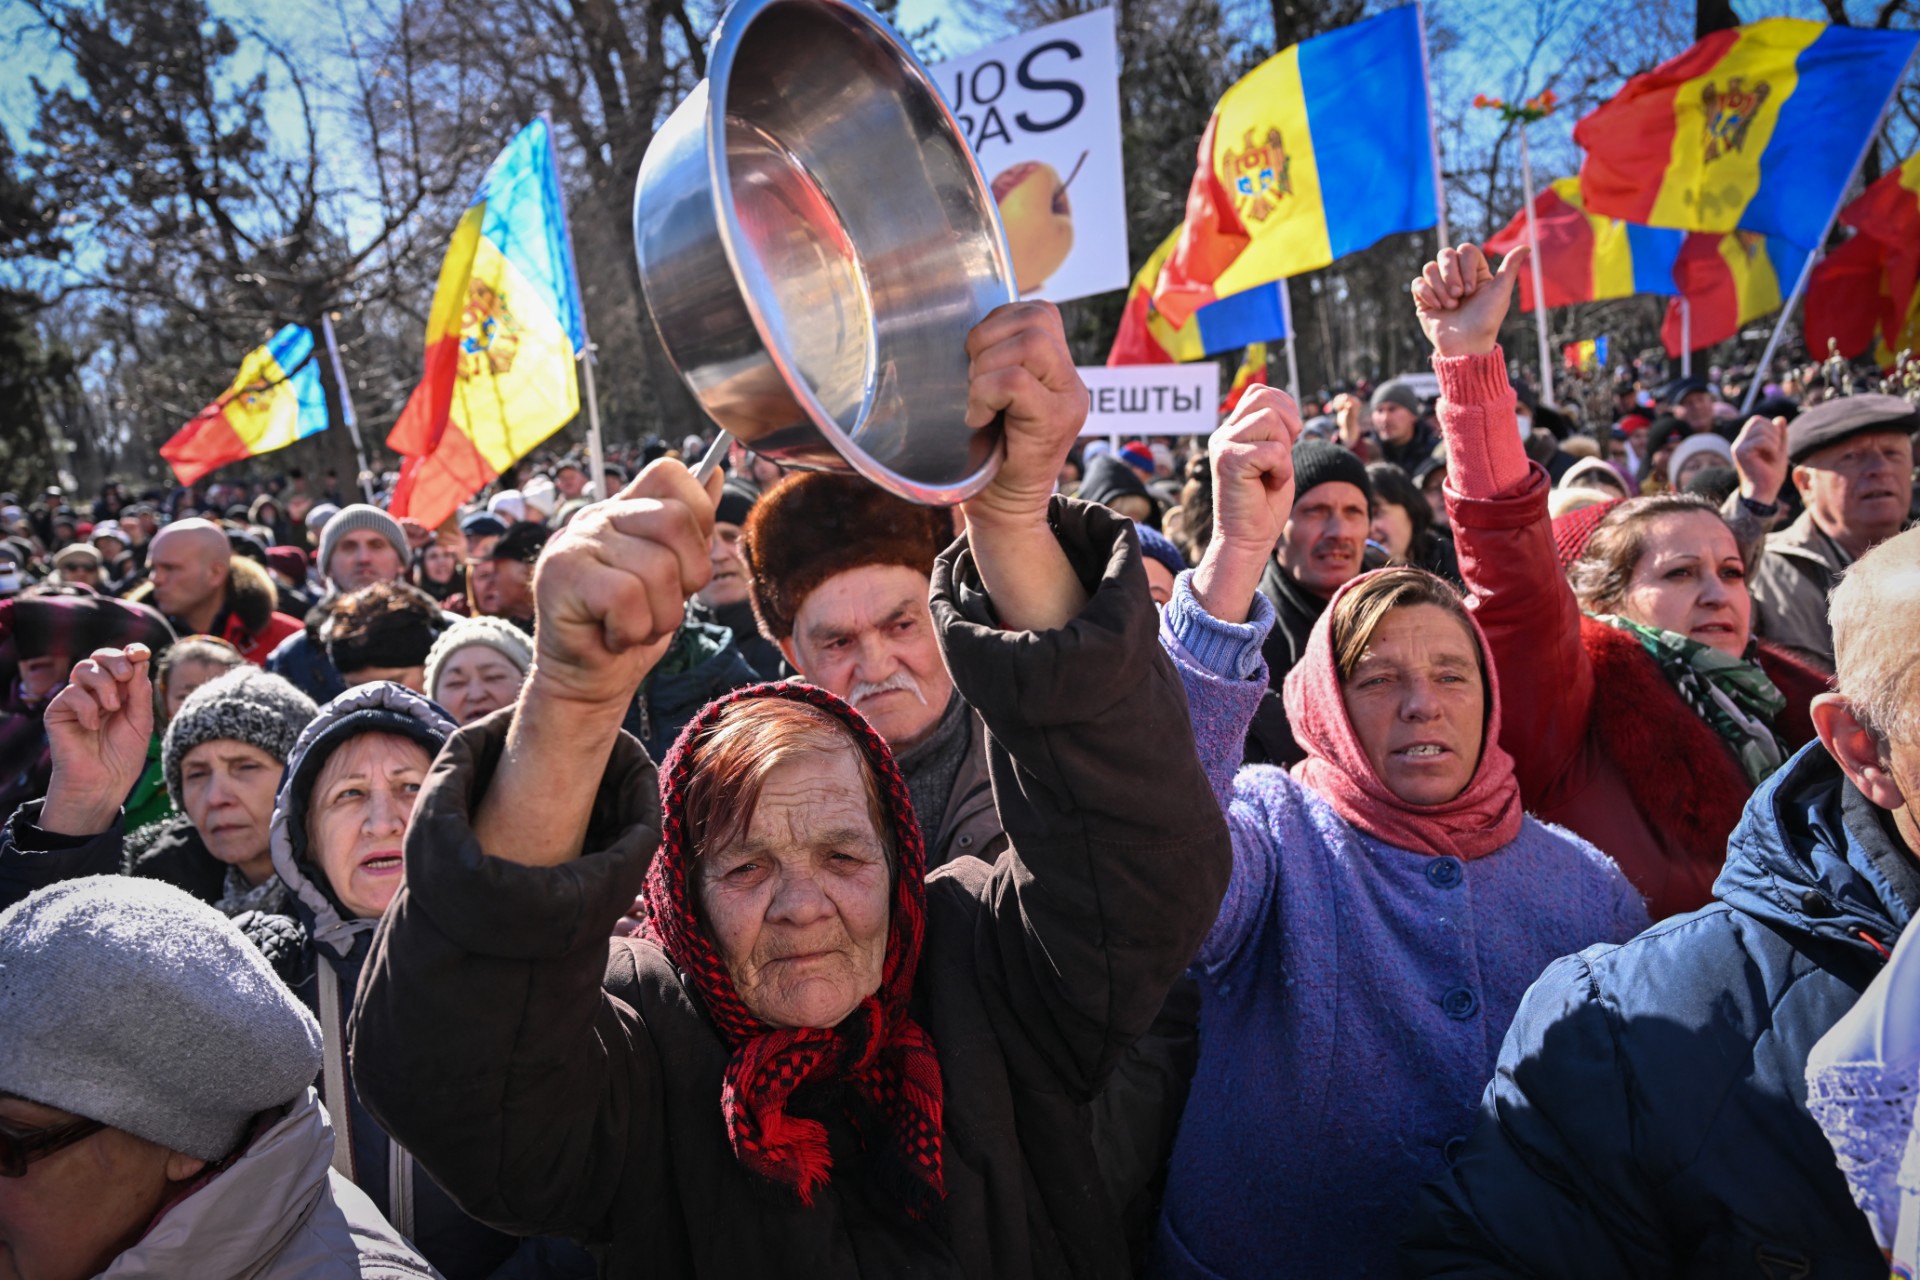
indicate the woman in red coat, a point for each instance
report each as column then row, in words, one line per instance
column 1642, row 710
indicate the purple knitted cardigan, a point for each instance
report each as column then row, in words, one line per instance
column 1354, row 996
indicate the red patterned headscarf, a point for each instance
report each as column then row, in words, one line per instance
column 879, row 1049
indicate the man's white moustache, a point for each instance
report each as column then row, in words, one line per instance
column 900, row 680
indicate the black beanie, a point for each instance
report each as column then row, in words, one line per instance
column 1315, row 462
column 1108, row 478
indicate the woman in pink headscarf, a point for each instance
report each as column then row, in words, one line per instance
column 1390, row 899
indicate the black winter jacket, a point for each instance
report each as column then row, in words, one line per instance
column 1648, row 1117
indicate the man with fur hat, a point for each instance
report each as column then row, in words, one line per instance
column 841, row 571
column 359, row 546
column 205, row 590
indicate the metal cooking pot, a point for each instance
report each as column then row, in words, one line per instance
column 815, row 241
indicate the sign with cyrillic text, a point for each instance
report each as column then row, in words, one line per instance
column 1042, row 114
column 1152, row 399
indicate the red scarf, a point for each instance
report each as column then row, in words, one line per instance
column 879, row 1049
column 1484, row 817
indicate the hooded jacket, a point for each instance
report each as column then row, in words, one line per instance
column 1649, row 1115
column 249, row 618
column 320, row 950
column 1353, row 991
column 278, row 1212
column 560, row 1081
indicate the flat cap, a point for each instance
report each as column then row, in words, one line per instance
column 1836, row 420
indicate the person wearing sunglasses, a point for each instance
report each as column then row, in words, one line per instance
column 157, row 1109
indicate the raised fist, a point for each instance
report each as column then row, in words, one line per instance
column 1020, row 367
column 611, row 588
column 1461, row 301
column 98, row 728
column 1760, row 456
column 1252, row 457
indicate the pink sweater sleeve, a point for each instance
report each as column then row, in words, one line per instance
column 1485, row 458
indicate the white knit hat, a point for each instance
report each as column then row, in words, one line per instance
column 540, row 495
column 508, row 505
column 1703, row 442
column 509, row 641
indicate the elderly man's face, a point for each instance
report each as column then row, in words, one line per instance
column 730, row 580
column 866, row 635
column 1394, row 423
column 362, row 558
column 79, row 1207
column 798, row 906
column 1859, row 490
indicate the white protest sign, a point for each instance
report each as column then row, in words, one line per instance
column 1042, row 113
column 1152, row 399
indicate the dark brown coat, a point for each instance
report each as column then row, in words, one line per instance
column 558, row 1083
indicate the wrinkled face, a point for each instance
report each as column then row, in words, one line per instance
column 798, row 907
column 511, row 589
column 362, row 558
column 1690, row 580
column 184, row 677
column 439, row 563
column 475, row 680
column 357, row 814
column 40, row 677
column 1860, row 488
column 1160, row 580
column 80, row 1207
column 1392, row 528
column 1696, row 410
column 1323, row 539
column 866, row 635
column 730, row 579
column 1417, row 701
column 1394, row 423
column 185, row 575
column 227, row 788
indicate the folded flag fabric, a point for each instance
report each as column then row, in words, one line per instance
column 1585, row 257
column 1865, row 295
column 276, row 399
column 1758, row 128
column 1319, row 151
column 501, row 338
column 1147, row 337
column 1252, row 372
column 1729, row 281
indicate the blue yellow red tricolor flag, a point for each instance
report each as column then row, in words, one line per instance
column 276, row 399
column 1585, row 257
column 1319, row 151
column 1865, row 295
column 501, row 338
column 1729, row 281
column 1590, row 353
column 1147, row 337
column 1252, row 372
column 1756, row 128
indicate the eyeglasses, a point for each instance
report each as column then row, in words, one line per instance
column 21, row 1147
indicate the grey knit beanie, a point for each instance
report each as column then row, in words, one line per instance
column 132, row 1003
column 353, row 518
column 498, row 634
column 246, row 705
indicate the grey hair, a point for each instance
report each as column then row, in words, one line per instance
column 1877, row 660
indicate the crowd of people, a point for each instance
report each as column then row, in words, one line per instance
column 1450, row 836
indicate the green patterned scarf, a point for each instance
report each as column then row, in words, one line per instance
column 1733, row 696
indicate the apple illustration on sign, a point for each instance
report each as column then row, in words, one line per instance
column 1039, row 219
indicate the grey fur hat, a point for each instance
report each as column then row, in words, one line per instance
column 132, row 1003
column 247, row 705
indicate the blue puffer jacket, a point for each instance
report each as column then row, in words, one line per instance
column 1648, row 1117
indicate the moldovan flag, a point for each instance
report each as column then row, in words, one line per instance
column 1318, row 152
column 275, row 400
column 1730, row 281
column 1757, row 128
column 1147, row 337
column 1252, row 371
column 1585, row 257
column 501, row 339
column 1865, row 294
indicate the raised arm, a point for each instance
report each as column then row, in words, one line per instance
column 1497, row 503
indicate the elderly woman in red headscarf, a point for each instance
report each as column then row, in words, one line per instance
column 815, row 1061
column 1390, row 899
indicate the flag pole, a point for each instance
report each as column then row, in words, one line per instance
column 596, row 455
column 1293, row 362
column 1539, row 288
column 1686, row 337
column 1818, row 248
column 346, row 405
column 1433, row 135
